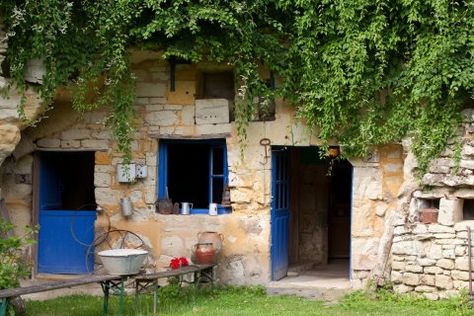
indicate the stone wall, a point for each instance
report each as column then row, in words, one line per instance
column 16, row 189
column 432, row 258
column 163, row 114
column 376, row 185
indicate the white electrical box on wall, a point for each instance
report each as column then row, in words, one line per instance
column 126, row 173
column 141, row 171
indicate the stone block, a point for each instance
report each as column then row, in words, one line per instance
column 426, row 262
column 212, row 111
column 411, row 278
column 428, row 279
column 396, row 277
column 462, row 226
column 162, row 118
column 458, row 284
column 402, row 288
column 398, row 258
column 431, row 296
column 462, row 264
column 408, row 247
column 95, row 144
column 400, row 230
column 433, row 270
column 435, row 252
column 460, row 250
column 444, row 236
column 367, row 183
column 420, row 229
column 103, row 169
column 398, row 265
column 449, row 254
column 436, row 228
column 450, row 211
column 464, row 193
column 102, row 180
column 49, row 143
column 70, row 144
column 187, row 115
column 447, row 264
column 433, row 179
column 443, row 282
column 213, row 129
column 107, row 196
column 450, row 247
column 414, row 268
column 451, row 241
column 157, row 101
column 103, row 158
column 460, row 275
column 467, row 164
column 425, row 288
column 74, row 134
column 147, row 89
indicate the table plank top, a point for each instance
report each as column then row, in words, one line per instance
column 53, row 285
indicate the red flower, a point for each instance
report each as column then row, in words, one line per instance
column 175, row 263
column 183, row 261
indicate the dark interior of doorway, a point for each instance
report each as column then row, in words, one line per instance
column 320, row 211
column 75, row 172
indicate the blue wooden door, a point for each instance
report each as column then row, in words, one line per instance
column 64, row 234
column 280, row 213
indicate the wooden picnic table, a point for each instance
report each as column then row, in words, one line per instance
column 143, row 282
column 147, row 281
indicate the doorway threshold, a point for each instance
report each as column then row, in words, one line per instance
column 327, row 282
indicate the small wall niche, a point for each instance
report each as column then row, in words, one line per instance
column 428, row 203
column 468, row 210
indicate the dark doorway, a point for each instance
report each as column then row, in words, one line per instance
column 339, row 212
column 320, row 210
column 66, row 212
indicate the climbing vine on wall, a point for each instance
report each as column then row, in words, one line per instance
column 361, row 72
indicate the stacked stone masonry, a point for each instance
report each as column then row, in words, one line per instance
column 432, row 259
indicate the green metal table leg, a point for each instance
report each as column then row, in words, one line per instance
column 155, row 296
column 122, row 296
column 3, row 306
column 105, row 288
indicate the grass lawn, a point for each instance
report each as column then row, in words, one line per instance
column 252, row 301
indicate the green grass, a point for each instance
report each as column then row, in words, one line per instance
column 252, row 301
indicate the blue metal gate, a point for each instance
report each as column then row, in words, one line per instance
column 280, row 213
column 64, row 235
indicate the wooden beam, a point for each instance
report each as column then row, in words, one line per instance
column 184, row 137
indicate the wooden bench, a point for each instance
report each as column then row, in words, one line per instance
column 143, row 282
column 107, row 282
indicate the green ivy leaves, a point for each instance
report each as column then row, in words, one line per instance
column 361, row 72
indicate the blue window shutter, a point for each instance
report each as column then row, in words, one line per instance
column 162, row 169
column 226, row 171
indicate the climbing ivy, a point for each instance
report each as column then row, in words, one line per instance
column 360, row 72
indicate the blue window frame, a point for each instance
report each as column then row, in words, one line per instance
column 194, row 171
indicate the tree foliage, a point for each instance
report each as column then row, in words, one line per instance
column 361, row 72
